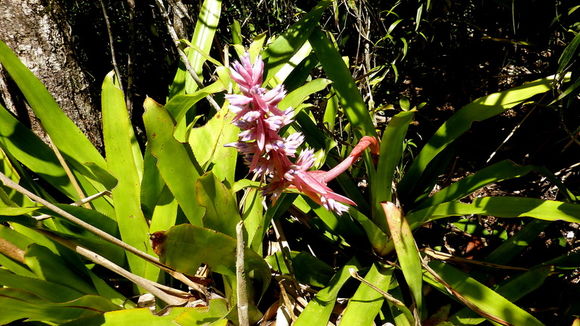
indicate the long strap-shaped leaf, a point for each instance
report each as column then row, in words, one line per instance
column 390, row 155
column 407, row 252
column 24, row 146
column 479, row 297
column 366, row 303
column 173, row 161
column 494, row 173
column 203, row 35
column 550, row 210
column 319, row 309
column 481, row 109
column 348, row 93
column 285, row 46
column 126, row 165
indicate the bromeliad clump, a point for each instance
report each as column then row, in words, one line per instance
column 268, row 154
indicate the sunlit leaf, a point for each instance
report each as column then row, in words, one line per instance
column 407, row 251
column 25, row 305
column 285, row 46
column 494, row 173
column 319, row 309
column 481, row 297
column 173, row 161
column 203, row 35
column 550, row 210
column 185, row 248
column 221, row 211
column 207, row 143
column 69, row 139
column 366, row 303
column 349, row 96
column 126, row 165
column 391, row 151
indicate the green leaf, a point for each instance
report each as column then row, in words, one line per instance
column 481, row 296
column 236, row 32
column 283, row 48
column 569, row 52
column 47, row 290
column 366, row 303
column 165, row 212
column 390, row 155
column 377, row 237
column 152, row 183
column 15, row 211
column 73, row 144
column 307, row 268
column 330, row 113
column 407, row 251
column 14, row 246
column 50, row 267
column 173, row 161
column 319, row 309
column 25, row 305
column 253, row 215
column 513, row 246
column 185, row 248
column 221, row 211
column 203, row 35
column 207, row 143
column 126, row 165
column 349, row 96
column 515, row 289
column 481, row 109
column 218, row 309
column 299, row 95
column 494, row 173
column 549, row 210
column 289, row 67
column 180, row 105
column 23, row 145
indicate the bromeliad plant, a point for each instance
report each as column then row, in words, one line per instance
column 64, row 246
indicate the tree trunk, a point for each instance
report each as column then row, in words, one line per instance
column 30, row 28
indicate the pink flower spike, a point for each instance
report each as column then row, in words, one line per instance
column 268, row 154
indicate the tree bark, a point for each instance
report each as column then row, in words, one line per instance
column 40, row 38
